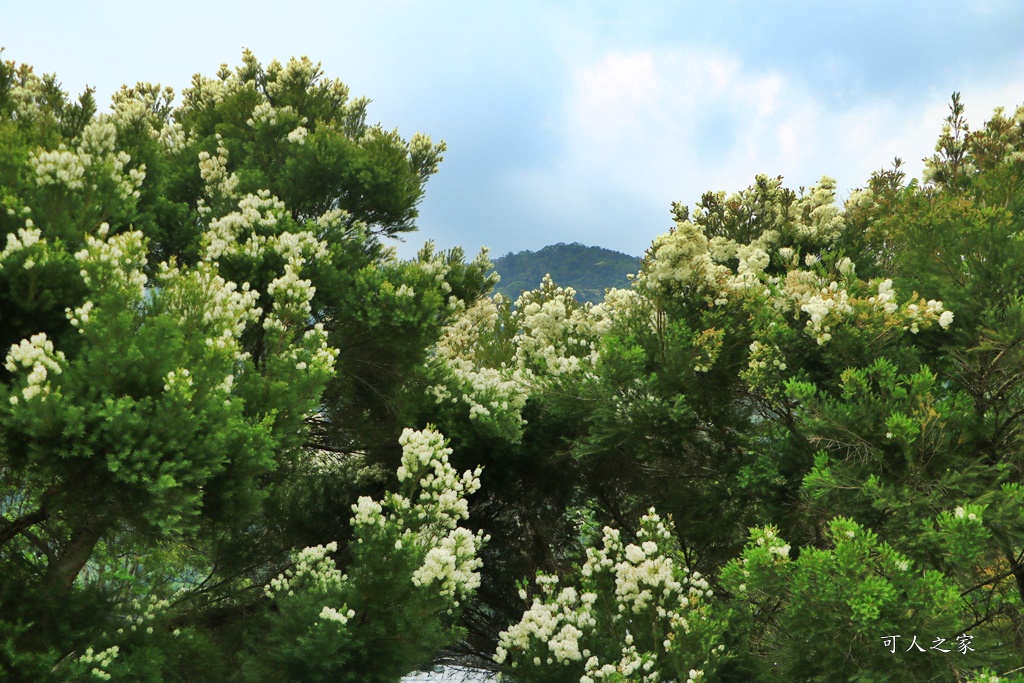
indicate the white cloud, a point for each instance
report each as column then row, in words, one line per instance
column 649, row 127
column 990, row 7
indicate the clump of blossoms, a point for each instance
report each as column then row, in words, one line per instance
column 409, row 544
column 245, row 232
column 25, row 238
column 28, row 248
column 111, row 267
column 96, row 664
column 989, row 676
column 427, row 515
column 95, row 162
column 259, row 233
column 476, row 371
column 631, row 612
column 114, row 260
column 762, row 270
column 41, row 359
column 787, row 264
column 680, row 260
column 965, row 533
column 493, row 356
column 555, row 332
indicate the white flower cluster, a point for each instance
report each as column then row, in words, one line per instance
column 141, row 612
column 263, row 113
column 252, row 233
column 60, row 166
column 98, row 138
column 299, row 72
column 555, row 335
column 763, row 357
column 617, row 303
column 255, row 221
column 312, row 353
column 628, row 589
column 116, row 261
column 128, row 185
column 554, row 623
column 143, row 102
column 314, row 572
column 38, row 356
column 25, row 238
column 171, row 136
column 766, row 549
column 494, row 395
column 79, row 315
column 101, row 661
column 707, row 345
column 28, row 94
column 452, row 566
column 96, row 151
column 313, row 569
column 679, row 259
column 279, row 82
column 821, row 219
column 886, row 297
column 201, row 299
column 331, row 614
column 148, row 105
column 785, row 264
column 291, row 310
column 267, row 115
column 178, row 382
column 914, row 314
column 494, row 356
column 684, row 258
column 214, row 171
column 424, row 155
column 969, row 513
column 451, row 562
column 633, row 666
column 823, row 306
column 292, row 299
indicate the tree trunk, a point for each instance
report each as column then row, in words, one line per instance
column 62, row 572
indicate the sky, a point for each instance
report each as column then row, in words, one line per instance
column 581, row 121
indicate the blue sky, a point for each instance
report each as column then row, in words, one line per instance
column 582, row 121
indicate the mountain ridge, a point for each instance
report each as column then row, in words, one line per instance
column 590, row 270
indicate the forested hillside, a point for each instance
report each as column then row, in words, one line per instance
column 240, row 440
column 588, row 270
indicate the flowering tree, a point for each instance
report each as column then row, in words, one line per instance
column 210, row 359
column 176, row 286
column 847, row 375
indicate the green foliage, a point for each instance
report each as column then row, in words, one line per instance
column 175, row 284
column 850, row 375
column 214, row 365
column 410, row 567
column 822, row 615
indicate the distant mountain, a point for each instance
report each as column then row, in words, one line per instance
column 588, row 270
